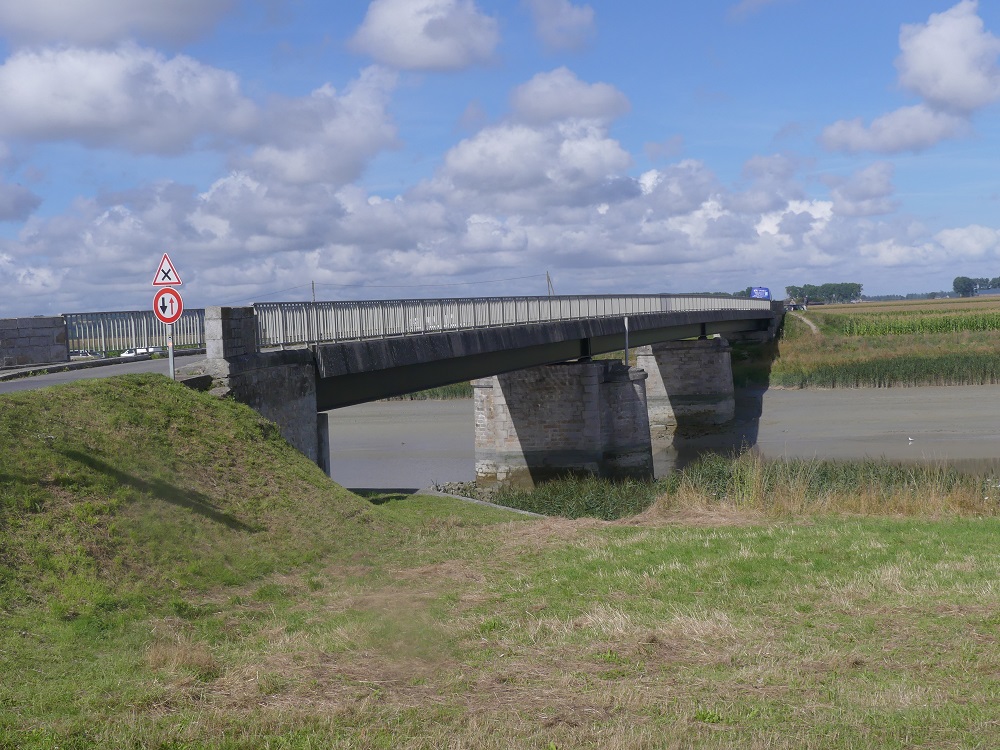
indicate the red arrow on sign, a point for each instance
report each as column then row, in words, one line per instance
column 168, row 305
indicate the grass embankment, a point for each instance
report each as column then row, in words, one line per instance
column 174, row 576
column 928, row 342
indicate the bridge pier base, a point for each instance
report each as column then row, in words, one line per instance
column 572, row 418
column 280, row 385
column 690, row 387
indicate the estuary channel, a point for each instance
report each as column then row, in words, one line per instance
column 416, row 444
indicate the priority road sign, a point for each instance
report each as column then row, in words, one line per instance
column 166, row 274
column 168, row 305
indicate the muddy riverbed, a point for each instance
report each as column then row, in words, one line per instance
column 416, row 444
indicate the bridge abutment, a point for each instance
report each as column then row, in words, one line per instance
column 690, row 387
column 279, row 385
column 572, row 418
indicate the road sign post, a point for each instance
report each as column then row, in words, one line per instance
column 168, row 304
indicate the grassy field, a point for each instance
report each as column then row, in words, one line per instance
column 927, row 342
column 173, row 575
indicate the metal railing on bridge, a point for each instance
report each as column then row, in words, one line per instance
column 281, row 324
column 108, row 332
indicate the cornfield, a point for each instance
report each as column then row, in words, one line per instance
column 912, row 322
column 940, row 342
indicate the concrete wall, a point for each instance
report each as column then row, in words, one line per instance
column 578, row 417
column 690, row 387
column 33, row 341
column 280, row 385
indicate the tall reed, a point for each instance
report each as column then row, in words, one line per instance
column 794, row 487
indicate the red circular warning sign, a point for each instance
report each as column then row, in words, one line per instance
column 168, row 305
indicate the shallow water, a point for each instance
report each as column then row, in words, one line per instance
column 416, row 444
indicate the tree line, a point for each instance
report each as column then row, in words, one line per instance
column 965, row 286
column 843, row 292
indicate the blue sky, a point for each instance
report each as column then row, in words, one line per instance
column 426, row 148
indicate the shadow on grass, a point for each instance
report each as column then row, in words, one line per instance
column 383, row 496
column 189, row 499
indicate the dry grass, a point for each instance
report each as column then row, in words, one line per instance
column 559, row 633
column 608, row 675
column 959, row 304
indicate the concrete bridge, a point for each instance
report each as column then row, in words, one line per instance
column 544, row 406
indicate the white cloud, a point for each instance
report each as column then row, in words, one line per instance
column 866, row 193
column 907, row 129
column 250, row 233
column 484, row 233
column 560, row 95
column 893, row 253
column 951, row 61
column 796, row 219
column 427, row 34
column 772, row 184
column 969, row 242
column 553, row 152
column 678, row 189
column 88, row 22
column 129, row 97
column 326, row 137
column 532, row 169
column 560, row 24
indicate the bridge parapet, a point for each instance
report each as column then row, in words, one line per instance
column 230, row 332
column 30, row 341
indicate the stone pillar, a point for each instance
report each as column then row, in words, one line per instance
column 576, row 417
column 625, row 422
column 230, row 332
column 690, row 387
column 279, row 385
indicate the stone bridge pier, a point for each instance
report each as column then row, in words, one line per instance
column 690, row 387
column 599, row 417
column 571, row 418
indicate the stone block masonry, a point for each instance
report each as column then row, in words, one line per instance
column 690, row 388
column 33, row 341
column 578, row 417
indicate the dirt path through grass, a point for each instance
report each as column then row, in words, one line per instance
column 812, row 326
